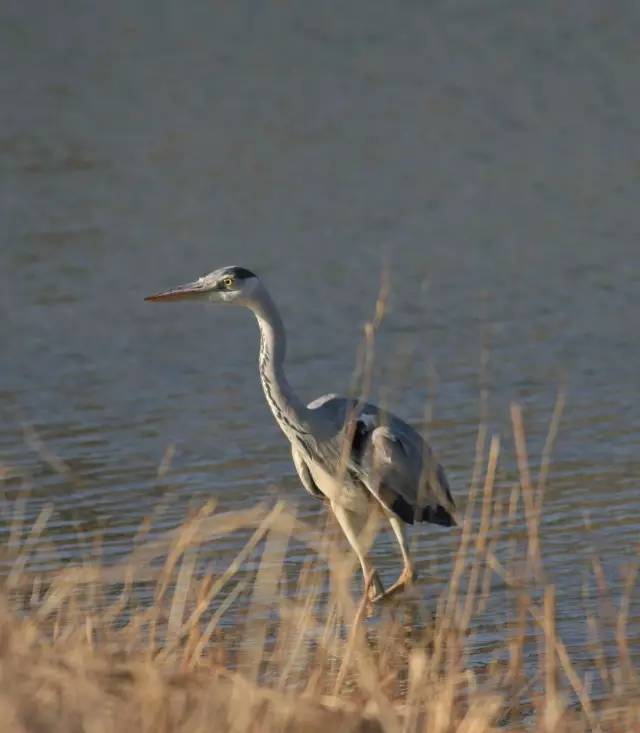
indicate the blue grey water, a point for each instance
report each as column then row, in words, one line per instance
column 489, row 152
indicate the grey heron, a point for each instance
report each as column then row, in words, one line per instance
column 357, row 457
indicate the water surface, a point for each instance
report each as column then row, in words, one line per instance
column 488, row 152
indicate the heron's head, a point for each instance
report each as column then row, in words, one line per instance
column 226, row 285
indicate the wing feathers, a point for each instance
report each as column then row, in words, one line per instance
column 396, row 481
column 387, row 457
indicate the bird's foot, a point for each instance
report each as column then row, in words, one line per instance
column 373, row 587
column 407, row 578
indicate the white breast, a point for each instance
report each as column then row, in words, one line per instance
column 346, row 494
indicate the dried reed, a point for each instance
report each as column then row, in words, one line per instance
column 255, row 648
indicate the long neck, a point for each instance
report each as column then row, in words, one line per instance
column 288, row 410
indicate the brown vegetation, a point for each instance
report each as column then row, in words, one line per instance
column 259, row 650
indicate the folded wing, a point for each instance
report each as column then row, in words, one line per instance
column 389, row 458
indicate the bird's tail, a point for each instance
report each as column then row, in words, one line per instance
column 437, row 515
column 440, row 509
column 443, row 512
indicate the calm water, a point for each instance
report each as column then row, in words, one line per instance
column 489, row 150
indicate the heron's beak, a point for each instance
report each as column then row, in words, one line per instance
column 188, row 291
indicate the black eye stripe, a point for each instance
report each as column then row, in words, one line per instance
column 240, row 273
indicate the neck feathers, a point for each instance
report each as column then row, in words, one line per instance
column 287, row 409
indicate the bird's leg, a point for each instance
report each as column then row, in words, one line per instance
column 408, row 574
column 351, row 524
column 372, row 584
column 406, row 578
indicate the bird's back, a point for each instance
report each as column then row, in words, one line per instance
column 387, row 455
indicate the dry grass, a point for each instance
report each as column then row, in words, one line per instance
column 252, row 648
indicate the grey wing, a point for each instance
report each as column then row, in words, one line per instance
column 322, row 401
column 405, row 477
column 305, row 475
column 390, row 459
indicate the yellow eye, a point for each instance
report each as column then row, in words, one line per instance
column 228, row 282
